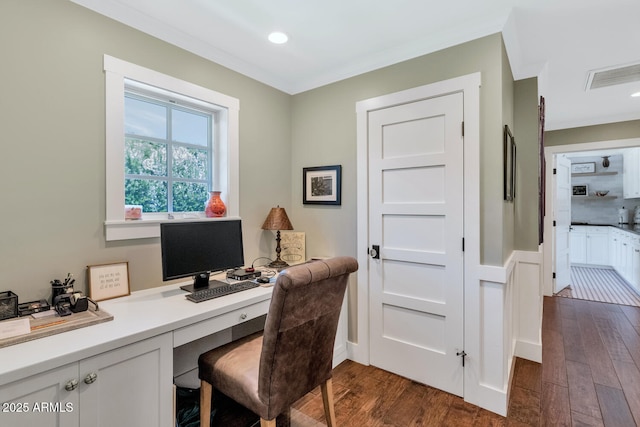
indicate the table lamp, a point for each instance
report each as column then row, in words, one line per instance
column 277, row 220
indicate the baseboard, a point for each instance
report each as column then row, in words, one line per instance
column 493, row 400
column 340, row 354
column 356, row 353
column 528, row 350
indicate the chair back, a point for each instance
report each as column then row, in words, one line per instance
column 300, row 330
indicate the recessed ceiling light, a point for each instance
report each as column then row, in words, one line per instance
column 636, row 95
column 278, row 37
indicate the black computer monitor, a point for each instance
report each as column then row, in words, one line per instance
column 199, row 248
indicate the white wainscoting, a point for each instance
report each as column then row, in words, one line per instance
column 504, row 320
column 509, row 326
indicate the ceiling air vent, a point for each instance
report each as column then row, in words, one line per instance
column 613, row 76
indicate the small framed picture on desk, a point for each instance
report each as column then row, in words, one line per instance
column 108, row 281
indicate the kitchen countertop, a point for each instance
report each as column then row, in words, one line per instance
column 633, row 228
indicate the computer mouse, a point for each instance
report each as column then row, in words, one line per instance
column 262, row 280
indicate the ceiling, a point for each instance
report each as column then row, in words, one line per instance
column 559, row 41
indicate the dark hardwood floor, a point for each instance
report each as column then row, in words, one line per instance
column 590, row 376
column 590, row 363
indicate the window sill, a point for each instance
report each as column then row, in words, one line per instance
column 145, row 228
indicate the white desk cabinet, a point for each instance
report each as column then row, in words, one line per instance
column 128, row 386
column 19, row 400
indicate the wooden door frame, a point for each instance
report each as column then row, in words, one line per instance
column 469, row 85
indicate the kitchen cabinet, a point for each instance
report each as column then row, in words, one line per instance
column 615, row 245
column 131, row 385
column 578, row 245
column 589, row 245
column 631, row 173
column 625, row 257
column 597, row 245
column 635, row 263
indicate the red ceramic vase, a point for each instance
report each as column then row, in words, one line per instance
column 215, row 207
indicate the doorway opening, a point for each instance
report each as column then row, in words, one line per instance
column 602, row 260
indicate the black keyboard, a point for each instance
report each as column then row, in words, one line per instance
column 220, row 289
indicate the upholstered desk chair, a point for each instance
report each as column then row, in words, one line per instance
column 269, row 371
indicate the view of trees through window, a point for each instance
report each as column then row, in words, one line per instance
column 167, row 155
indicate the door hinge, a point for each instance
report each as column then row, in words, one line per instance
column 463, row 355
column 554, row 223
column 463, row 128
column 554, row 275
column 555, row 171
column 463, row 244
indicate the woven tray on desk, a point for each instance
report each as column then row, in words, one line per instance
column 56, row 325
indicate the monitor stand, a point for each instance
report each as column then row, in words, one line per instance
column 200, row 281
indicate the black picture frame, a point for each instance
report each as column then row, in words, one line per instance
column 509, row 165
column 580, row 190
column 542, row 173
column 322, row 185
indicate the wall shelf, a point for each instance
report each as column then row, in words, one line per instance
column 595, row 197
column 576, row 175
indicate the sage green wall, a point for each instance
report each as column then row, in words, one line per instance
column 52, row 168
column 606, row 132
column 324, row 133
column 527, row 164
column 508, row 208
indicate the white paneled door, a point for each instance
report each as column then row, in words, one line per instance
column 416, row 219
column 563, row 192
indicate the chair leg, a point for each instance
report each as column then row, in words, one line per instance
column 206, row 390
column 327, row 400
column 267, row 423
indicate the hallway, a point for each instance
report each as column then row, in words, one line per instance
column 600, row 284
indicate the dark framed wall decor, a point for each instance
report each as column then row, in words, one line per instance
column 509, row 165
column 321, row 185
column 541, row 177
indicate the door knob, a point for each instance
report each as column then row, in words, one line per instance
column 374, row 252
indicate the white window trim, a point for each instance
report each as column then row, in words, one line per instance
column 116, row 71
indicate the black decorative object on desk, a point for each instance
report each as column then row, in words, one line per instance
column 8, row 305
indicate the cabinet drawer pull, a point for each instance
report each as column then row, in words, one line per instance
column 91, row 378
column 71, row 385
column 243, row 316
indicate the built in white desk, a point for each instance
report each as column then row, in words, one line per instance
column 132, row 356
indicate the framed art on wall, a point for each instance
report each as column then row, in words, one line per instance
column 580, row 190
column 509, row 171
column 321, row 185
column 587, row 167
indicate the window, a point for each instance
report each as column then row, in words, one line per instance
column 167, row 155
column 168, row 143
